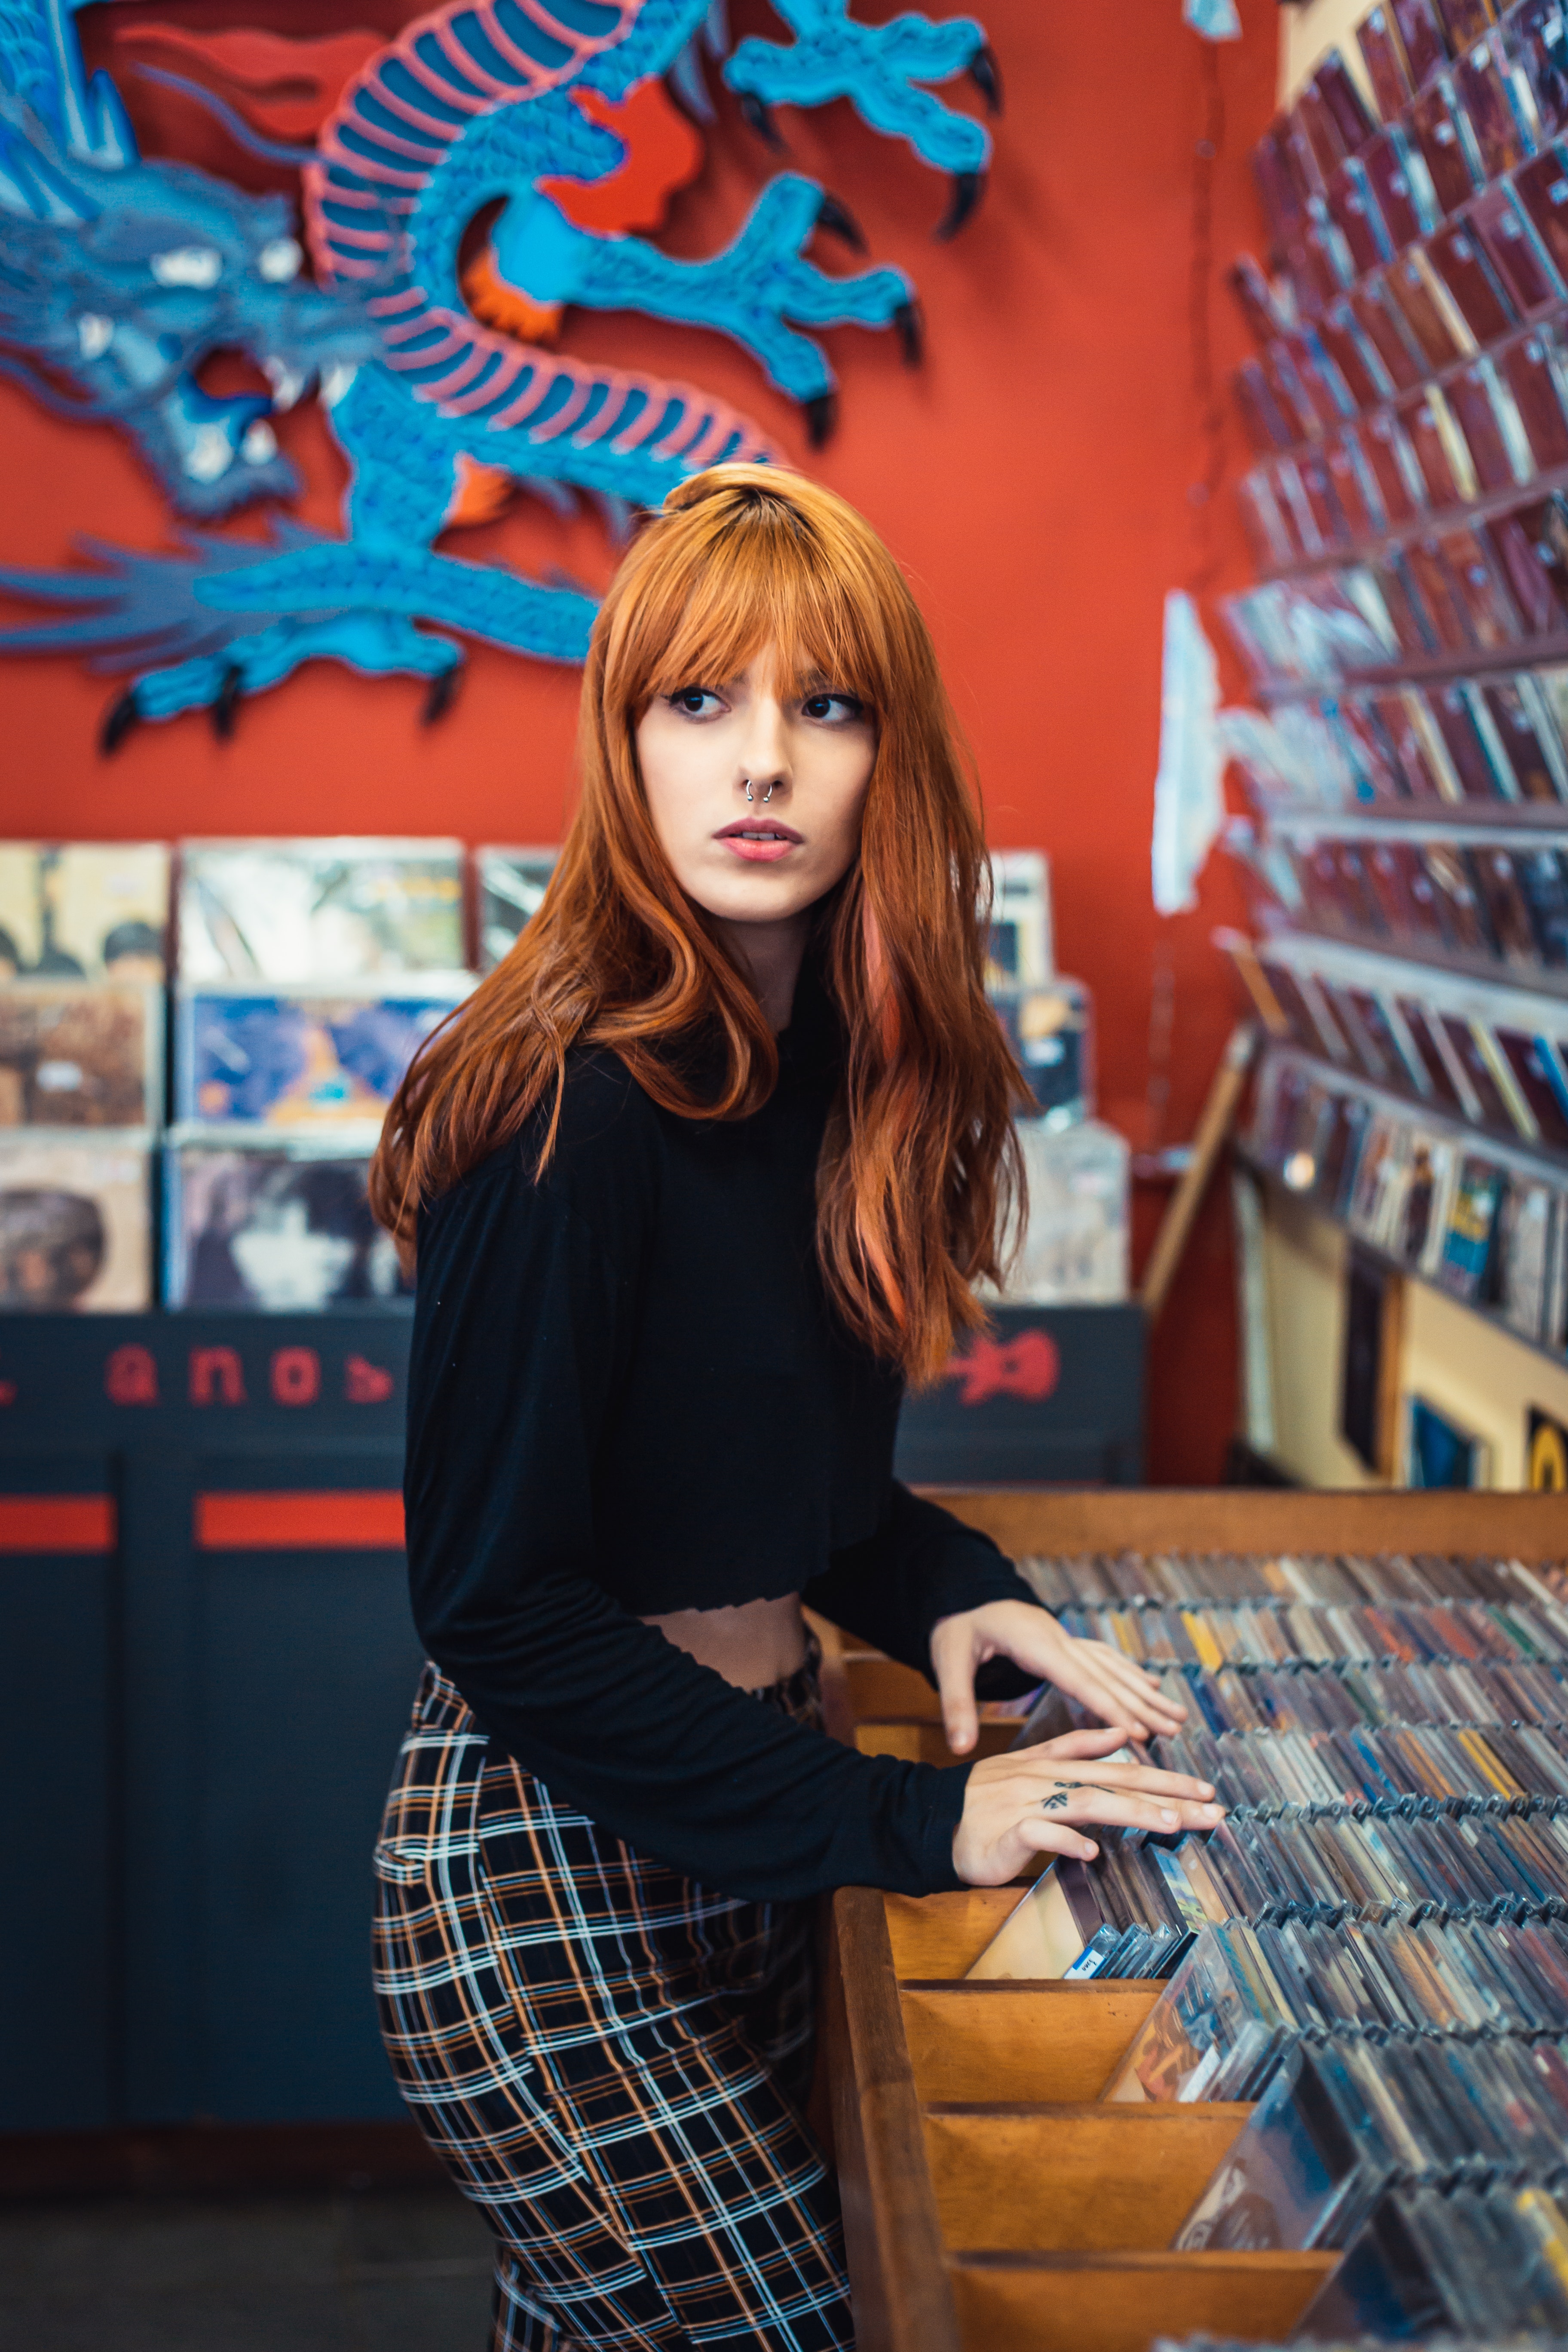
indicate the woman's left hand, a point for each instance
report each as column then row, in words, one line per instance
column 1093, row 1673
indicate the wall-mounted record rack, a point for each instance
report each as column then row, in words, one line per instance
column 1407, row 642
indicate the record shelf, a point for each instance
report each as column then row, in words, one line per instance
column 989, row 2199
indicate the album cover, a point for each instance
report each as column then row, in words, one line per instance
column 1543, row 878
column 1541, row 188
column 1051, row 1031
column 1502, row 227
column 1508, row 910
column 1019, row 952
column 512, row 883
column 1496, row 100
column 83, row 909
column 1437, row 129
column 297, row 1060
column 1419, row 1221
column 1075, row 1244
column 1439, row 1452
column 1472, row 1218
column 1524, row 1252
column 1466, row 278
column 75, row 1224
column 1384, row 57
column 319, row 909
column 81, row 1053
column 1534, row 1063
column 1523, row 721
column 1390, row 461
column 283, row 1230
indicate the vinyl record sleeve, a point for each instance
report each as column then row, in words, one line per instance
column 1421, row 38
column 319, row 909
column 1020, row 950
column 278, row 1228
column 297, row 1060
column 83, row 909
column 81, row 1052
column 75, row 1224
column 1384, row 57
column 512, row 883
column 1507, row 236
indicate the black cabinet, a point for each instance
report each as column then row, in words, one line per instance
column 210, row 1661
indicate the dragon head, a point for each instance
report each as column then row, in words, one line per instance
column 125, row 274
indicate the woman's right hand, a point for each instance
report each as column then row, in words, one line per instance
column 1028, row 1801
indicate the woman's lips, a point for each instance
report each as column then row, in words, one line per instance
column 760, row 841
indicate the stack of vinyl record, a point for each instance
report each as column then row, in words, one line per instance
column 83, row 927
column 309, row 973
column 1408, row 642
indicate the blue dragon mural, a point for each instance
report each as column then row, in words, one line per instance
column 120, row 274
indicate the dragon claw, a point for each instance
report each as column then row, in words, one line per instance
column 838, row 220
column 821, row 417
column 122, row 714
column 225, row 705
column 758, row 114
column 968, row 187
column 986, row 75
column 442, row 694
column 911, row 333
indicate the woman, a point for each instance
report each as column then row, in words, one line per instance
column 698, row 1177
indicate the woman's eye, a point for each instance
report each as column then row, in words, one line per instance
column 839, row 708
column 696, row 701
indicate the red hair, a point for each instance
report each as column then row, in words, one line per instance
column 921, row 1172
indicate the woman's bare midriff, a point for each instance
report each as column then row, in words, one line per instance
column 760, row 1642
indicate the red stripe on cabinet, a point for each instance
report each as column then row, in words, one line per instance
column 362, row 1520
column 57, row 1523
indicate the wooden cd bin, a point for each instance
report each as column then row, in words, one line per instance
column 990, row 2203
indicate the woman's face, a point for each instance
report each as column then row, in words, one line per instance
column 808, row 760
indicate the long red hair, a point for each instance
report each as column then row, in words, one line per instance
column 921, row 1173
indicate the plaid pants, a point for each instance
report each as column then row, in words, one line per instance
column 610, row 2060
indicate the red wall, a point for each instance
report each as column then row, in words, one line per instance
column 1035, row 477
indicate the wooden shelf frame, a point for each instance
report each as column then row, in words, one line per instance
column 990, row 2199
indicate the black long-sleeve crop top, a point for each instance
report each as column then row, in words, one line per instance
column 630, row 1394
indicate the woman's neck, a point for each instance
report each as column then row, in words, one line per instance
column 771, row 955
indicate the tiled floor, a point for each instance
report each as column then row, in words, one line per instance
column 395, row 2271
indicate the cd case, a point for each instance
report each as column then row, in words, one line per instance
column 282, row 1229
column 319, row 909
column 83, row 909
column 81, row 1053
column 299, row 1060
column 75, row 1224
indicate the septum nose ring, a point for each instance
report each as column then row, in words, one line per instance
column 766, row 796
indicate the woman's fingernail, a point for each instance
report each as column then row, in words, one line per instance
column 1170, row 1819
column 1205, row 1787
column 1211, row 1812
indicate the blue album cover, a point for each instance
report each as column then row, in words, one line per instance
column 297, row 1061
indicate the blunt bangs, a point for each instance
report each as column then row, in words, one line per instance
column 759, row 574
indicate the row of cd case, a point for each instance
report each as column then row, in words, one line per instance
column 1138, row 1581
column 1485, row 586
column 1458, row 102
column 284, row 1227
column 1499, row 738
column 1488, row 1228
column 1494, row 904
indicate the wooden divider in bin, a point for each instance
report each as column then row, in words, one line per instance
column 1002, row 2039
column 1120, row 2303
